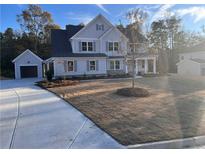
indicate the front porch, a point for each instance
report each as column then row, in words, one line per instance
column 144, row 65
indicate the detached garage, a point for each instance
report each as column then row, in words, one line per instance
column 28, row 65
column 191, row 67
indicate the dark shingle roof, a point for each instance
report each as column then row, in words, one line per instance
column 132, row 35
column 198, row 60
column 61, row 46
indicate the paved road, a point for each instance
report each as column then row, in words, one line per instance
column 31, row 117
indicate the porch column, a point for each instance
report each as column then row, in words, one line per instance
column 154, row 65
column 146, row 65
column 136, row 63
column 126, row 66
column 47, row 66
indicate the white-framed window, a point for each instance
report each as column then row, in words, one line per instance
column 114, row 65
column 84, row 46
column 87, row 46
column 117, row 64
column 92, row 65
column 90, row 46
column 70, row 66
column 113, row 46
column 99, row 27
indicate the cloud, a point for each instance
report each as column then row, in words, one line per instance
column 197, row 12
column 163, row 11
column 103, row 8
column 80, row 17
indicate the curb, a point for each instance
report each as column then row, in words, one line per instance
column 172, row 144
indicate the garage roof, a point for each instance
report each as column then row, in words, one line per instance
column 23, row 53
column 198, row 60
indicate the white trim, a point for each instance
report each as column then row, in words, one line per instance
column 186, row 60
column 29, row 51
column 28, row 65
column 114, row 28
column 95, row 66
column 83, row 38
column 105, row 32
column 92, row 21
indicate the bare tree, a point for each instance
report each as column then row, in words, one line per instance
column 136, row 18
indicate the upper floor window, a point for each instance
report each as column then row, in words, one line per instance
column 87, row 46
column 99, row 27
column 113, row 46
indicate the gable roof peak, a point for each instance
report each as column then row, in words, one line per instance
column 26, row 51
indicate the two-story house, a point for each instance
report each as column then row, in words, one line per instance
column 98, row 48
column 95, row 49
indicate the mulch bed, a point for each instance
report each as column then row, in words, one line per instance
column 133, row 92
column 57, row 83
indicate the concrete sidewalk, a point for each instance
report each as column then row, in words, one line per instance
column 42, row 120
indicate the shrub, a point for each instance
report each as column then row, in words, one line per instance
column 49, row 75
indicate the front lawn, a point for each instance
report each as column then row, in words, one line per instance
column 175, row 108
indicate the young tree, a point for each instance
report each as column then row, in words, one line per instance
column 136, row 18
column 33, row 20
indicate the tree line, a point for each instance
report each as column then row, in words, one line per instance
column 36, row 25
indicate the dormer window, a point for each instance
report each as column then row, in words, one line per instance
column 99, row 27
column 87, row 46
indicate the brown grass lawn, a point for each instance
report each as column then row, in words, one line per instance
column 175, row 109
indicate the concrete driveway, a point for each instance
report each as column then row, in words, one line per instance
column 31, row 117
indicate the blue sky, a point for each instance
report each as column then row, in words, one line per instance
column 193, row 16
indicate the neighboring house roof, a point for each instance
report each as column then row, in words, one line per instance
column 198, row 60
column 195, row 48
column 23, row 53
